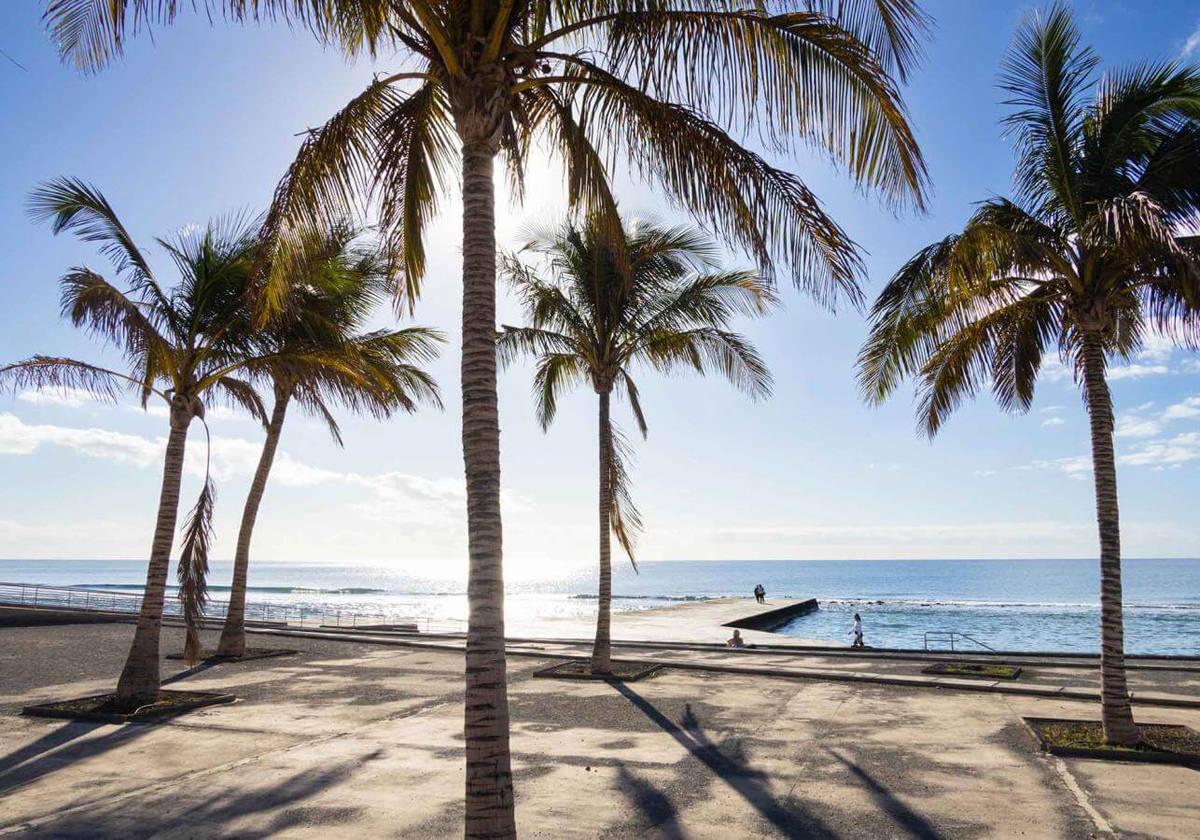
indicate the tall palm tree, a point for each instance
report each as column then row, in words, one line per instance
column 671, row 86
column 1084, row 259
column 316, row 352
column 184, row 345
column 603, row 305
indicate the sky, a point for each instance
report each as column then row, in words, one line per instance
column 202, row 120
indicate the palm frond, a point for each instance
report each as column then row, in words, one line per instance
column 242, row 395
column 193, row 562
column 42, row 373
column 92, row 33
column 800, row 75
column 625, row 519
column 555, row 374
column 1046, row 74
column 765, row 211
column 416, row 156
column 331, row 176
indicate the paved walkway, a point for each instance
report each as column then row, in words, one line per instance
column 354, row 739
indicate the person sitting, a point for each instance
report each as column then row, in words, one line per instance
column 736, row 640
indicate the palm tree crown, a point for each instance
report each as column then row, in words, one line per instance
column 1092, row 244
column 664, row 89
column 591, row 322
column 317, row 351
column 1091, row 252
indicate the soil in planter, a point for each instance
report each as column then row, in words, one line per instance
column 962, row 669
column 104, row 707
column 1157, row 739
column 622, row 671
column 251, row 653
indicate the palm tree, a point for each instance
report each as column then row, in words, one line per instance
column 316, row 352
column 670, row 86
column 183, row 345
column 652, row 296
column 1085, row 259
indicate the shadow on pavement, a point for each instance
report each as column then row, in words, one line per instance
column 44, row 755
column 906, row 818
column 791, row 820
column 218, row 814
column 653, row 804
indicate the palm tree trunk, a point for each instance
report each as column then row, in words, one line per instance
column 489, row 792
column 233, row 636
column 1116, row 710
column 139, row 682
column 602, row 650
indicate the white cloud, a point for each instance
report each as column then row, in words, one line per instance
column 1053, row 421
column 1136, row 371
column 393, row 495
column 1050, row 409
column 1191, row 44
column 1180, row 449
column 1077, row 466
column 20, row 438
column 1187, row 409
column 1137, row 427
column 1156, row 347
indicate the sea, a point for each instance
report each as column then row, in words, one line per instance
column 1010, row 605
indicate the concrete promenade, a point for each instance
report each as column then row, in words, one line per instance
column 355, row 739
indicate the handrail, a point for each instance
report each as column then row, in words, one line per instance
column 950, row 636
column 93, row 600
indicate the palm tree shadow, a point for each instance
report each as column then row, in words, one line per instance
column 653, row 803
column 908, row 819
column 191, row 672
column 44, row 757
column 791, row 820
column 220, row 812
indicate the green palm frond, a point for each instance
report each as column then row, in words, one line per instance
column 92, row 33
column 1090, row 252
column 770, row 69
column 1047, row 74
column 41, row 373
column 242, row 395
column 416, row 159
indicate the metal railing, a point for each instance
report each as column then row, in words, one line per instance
column 950, row 636
column 112, row 601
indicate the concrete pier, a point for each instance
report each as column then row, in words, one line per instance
column 772, row 619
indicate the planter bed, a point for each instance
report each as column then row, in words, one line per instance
column 102, row 708
column 1161, row 743
column 622, row 671
column 251, row 653
column 983, row 672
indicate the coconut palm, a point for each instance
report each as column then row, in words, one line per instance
column 671, row 87
column 317, row 352
column 183, row 345
column 602, row 305
column 1084, row 259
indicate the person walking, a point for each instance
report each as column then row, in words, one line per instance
column 760, row 594
column 858, row 632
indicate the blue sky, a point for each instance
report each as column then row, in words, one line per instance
column 202, row 121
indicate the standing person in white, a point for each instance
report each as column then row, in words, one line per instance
column 857, row 631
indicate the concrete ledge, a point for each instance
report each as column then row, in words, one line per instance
column 13, row 616
column 909, row 680
column 774, row 619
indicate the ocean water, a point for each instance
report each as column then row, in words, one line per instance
column 1005, row 604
